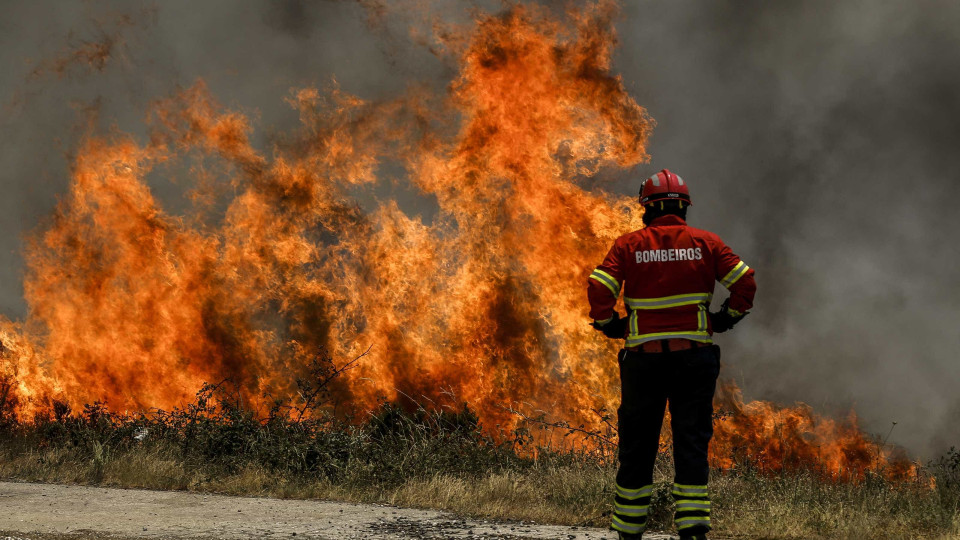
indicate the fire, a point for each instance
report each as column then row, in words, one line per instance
column 772, row 438
column 137, row 306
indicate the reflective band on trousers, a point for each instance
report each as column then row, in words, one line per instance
column 693, row 504
column 668, row 301
column 631, row 528
column 623, row 526
column 644, row 491
column 738, row 271
column 692, row 490
column 692, row 521
column 633, row 511
column 607, row 280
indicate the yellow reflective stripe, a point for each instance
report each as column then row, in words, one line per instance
column 692, row 521
column 690, row 486
column 693, row 504
column 694, row 335
column 634, row 337
column 668, row 301
column 632, row 511
column 732, row 272
column 613, row 289
column 738, row 271
column 644, row 491
column 688, row 489
column 623, row 526
column 607, row 280
column 608, row 276
column 605, row 321
column 734, row 312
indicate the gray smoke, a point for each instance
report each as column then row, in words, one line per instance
column 250, row 54
column 820, row 140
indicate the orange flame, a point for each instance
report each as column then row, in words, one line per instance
column 137, row 307
column 774, row 438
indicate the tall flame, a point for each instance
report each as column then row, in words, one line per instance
column 135, row 306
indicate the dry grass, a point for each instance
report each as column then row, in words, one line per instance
column 442, row 460
column 805, row 506
column 748, row 505
column 556, row 496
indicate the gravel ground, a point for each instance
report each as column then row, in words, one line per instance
column 56, row 512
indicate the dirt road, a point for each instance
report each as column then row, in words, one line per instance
column 48, row 512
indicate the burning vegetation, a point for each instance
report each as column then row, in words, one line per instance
column 136, row 307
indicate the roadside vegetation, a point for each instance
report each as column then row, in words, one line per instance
column 441, row 458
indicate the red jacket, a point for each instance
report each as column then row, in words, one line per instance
column 667, row 273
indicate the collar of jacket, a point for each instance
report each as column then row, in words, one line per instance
column 667, row 220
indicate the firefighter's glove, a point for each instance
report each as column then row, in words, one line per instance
column 725, row 319
column 615, row 328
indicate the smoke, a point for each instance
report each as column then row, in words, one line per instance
column 249, row 55
column 818, row 138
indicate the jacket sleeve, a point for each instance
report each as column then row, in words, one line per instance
column 736, row 276
column 604, row 285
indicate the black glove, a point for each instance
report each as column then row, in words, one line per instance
column 723, row 320
column 615, row 328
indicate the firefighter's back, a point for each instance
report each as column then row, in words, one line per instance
column 669, row 274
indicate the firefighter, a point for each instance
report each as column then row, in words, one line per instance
column 667, row 272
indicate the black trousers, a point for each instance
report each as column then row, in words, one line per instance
column 686, row 380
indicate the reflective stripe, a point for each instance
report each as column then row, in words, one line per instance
column 693, row 504
column 607, row 280
column 644, row 491
column 623, row 526
column 605, row 321
column 668, row 301
column 693, row 521
column 738, row 271
column 693, row 335
column 686, row 489
column 634, row 511
column 635, row 338
column 734, row 312
column 701, row 335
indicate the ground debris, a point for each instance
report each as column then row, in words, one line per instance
column 125, row 514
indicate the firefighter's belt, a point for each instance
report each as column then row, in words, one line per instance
column 666, row 345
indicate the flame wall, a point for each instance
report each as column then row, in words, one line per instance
column 137, row 306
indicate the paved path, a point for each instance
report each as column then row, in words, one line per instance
column 48, row 512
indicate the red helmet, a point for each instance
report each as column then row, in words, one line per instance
column 664, row 186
